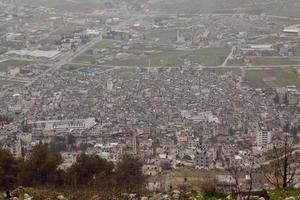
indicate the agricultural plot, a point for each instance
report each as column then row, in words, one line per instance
column 274, row 39
column 137, row 55
column 7, row 64
column 223, row 70
column 275, row 77
column 269, row 61
column 4, row 82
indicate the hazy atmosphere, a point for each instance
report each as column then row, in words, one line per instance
column 150, row 99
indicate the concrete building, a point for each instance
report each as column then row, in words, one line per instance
column 151, row 169
column 205, row 159
column 293, row 30
column 293, row 95
column 74, row 124
column 15, row 148
column 298, row 71
column 263, row 138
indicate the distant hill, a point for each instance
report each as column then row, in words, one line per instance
column 288, row 8
column 70, row 5
column 271, row 7
column 82, row 5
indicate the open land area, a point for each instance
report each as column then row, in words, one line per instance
column 274, row 77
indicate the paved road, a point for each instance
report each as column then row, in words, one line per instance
column 70, row 56
column 245, row 67
column 228, row 57
column 297, row 150
column 66, row 59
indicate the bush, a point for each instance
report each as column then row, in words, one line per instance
column 210, row 190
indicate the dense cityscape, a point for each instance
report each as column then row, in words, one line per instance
column 190, row 94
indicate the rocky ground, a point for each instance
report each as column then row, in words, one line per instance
column 49, row 194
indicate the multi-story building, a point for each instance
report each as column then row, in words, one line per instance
column 205, row 159
column 58, row 125
column 263, row 139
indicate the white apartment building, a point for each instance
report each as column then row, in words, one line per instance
column 263, row 139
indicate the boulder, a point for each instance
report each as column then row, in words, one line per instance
column 96, row 197
column 229, row 197
column 61, row 197
column 290, row 198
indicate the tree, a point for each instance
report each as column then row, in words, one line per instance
column 236, row 171
column 9, row 169
column 251, row 170
column 129, row 175
column 89, row 170
column 41, row 167
column 57, row 146
column 282, row 169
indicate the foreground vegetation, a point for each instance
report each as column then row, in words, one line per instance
column 97, row 194
column 89, row 172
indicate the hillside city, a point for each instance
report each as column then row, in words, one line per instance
column 190, row 94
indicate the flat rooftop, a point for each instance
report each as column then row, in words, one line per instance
column 292, row 29
column 35, row 53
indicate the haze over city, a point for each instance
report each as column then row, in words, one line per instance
column 150, row 99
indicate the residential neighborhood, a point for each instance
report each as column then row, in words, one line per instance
column 199, row 92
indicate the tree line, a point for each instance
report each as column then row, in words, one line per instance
column 41, row 169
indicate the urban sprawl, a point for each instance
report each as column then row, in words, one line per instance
column 181, row 91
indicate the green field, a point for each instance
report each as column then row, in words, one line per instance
column 74, row 5
column 2, row 50
column 210, row 56
column 204, row 56
column 297, row 51
column 5, row 65
column 274, row 39
column 284, row 193
column 84, row 59
column 194, row 6
column 276, row 77
column 164, row 36
column 288, row 8
column 269, row 61
column 6, row 82
column 105, row 43
column 70, row 67
column 236, row 62
column 223, row 70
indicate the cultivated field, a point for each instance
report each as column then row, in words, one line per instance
column 7, row 64
column 275, row 77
